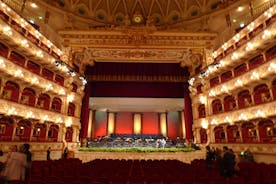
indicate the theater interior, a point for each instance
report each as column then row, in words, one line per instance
column 163, row 74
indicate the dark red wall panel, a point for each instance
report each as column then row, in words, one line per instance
column 150, row 123
column 124, row 123
column 100, row 125
column 173, row 125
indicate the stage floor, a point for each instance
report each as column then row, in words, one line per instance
column 185, row 157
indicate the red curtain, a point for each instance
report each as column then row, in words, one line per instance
column 124, row 123
column 32, row 66
column 44, row 101
column 71, row 109
column 274, row 89
column 261, row 94
column 150, row 124
column 216, row 106
column 229, row 103
column 214, row 81
column 85, row 112
column 226, row 76
column 17, row 58
column 203, row 136
column 28, row 97
column 240, row 70
column 47, row 74
column 4, row 50
column 8, row 123
column 173, row 125
column 201, row 111
column 56, row 104
column 59, row 79
column 188, row 115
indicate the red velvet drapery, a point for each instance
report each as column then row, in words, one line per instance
column 188, row 115
column 85, row 112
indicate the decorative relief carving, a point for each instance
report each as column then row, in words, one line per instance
column 167, row 78
column 208, row 57
column 144, row 36
column 191, row 60
column 135, row 54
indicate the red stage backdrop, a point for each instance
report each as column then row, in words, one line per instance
column 100, row 126
column 173, row 125
column 150, row 124
column 124, row 123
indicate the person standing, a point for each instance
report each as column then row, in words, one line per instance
column 65, row 152
column 209, row 157
column 28, row 153
column 15, row 166
column 48, row 154
column 228, row 160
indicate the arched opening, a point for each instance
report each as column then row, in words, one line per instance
column 11, row 91
column 216, row 106
column 244, row 99
column 28, row 97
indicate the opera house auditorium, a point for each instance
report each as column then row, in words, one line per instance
column 137, row 91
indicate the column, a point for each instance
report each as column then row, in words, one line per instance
column 188, row 115
column 163, row 123
column 137, row 123
column 240, row 131
column 210, row 135
column 47, row 130
column 256, row 123
column 61, row 133
column 90, row 120
column 110, row 123
column 182, row 125
column 85, row 112
column 32, row 130
column 197, row 136
column 225, row 133
column 14, row 129
column 75, row 134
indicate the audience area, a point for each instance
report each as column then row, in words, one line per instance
column 107, row 171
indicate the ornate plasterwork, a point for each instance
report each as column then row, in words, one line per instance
column 138, row 45
column 15, row 109
column 135, row 54
column 138, row 38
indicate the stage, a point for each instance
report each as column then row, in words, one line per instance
column 185, row 157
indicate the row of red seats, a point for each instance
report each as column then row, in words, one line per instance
column 144, row 172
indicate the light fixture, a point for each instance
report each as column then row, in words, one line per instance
column 203, row 99
column 267, row 33
column 240, row 9
column 191, row 81
column 249, row 46
column 235, row 56
column 239, row 83
column 68, row 123
column 204, row 124
column 7, row 30
column 214, row 122
column 59, row 120
column 2, row 63
column 31, row 21
column 254, row 75
column 46, row 118
column 33, row 5
column 137, row 18
column 30, row 114
column 242, row 24
column 18, row 73
column 70, row 98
